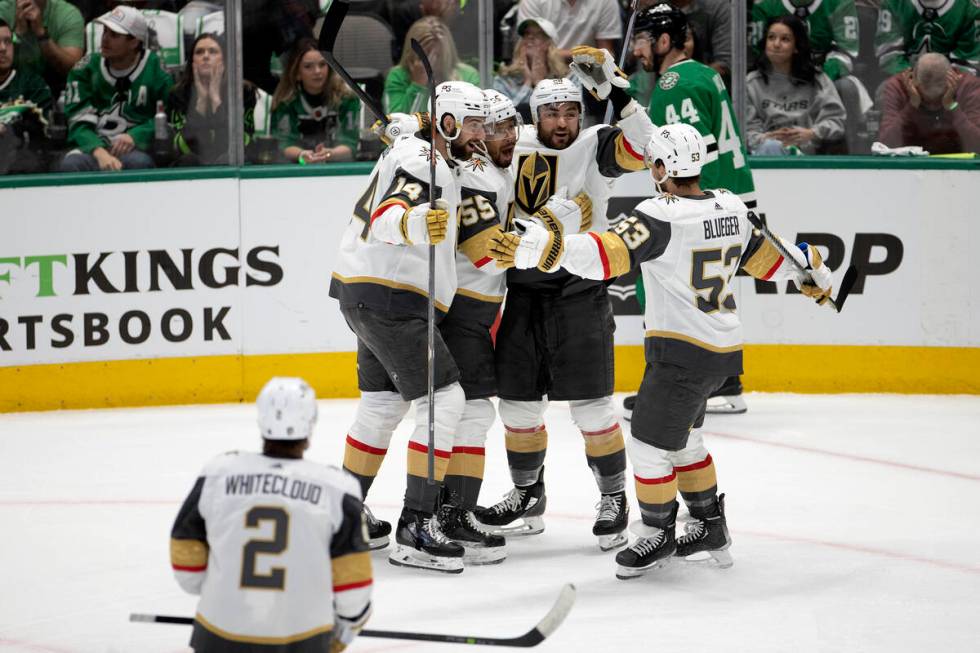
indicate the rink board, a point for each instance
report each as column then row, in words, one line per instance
column 222, row 281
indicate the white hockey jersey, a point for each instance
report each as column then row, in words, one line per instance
column 274, row 546
column 688, row 249
column 589, row 164
column 485, row 192
column 391, row 277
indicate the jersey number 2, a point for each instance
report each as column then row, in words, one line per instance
column 276, row 578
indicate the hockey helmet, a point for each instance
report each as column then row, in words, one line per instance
column 680, row 147
column 287, row 409
column 461, row 100
column 660, row 19
column 555, row 91
column 501, row 109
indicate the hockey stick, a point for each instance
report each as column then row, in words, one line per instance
column 431, row 315
column 541, row 630
column 634, row 8
column 850, row 276
column 328, row 37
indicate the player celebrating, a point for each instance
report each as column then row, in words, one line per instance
column 556, row 334
column 688, row 243
column 273, row 521
column 381, row 280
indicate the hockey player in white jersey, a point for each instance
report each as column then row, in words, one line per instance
column 538, row 361
column 274, row 544
column 688, row 243
column 381, row 281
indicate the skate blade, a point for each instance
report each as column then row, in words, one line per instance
column 477, row 556
column 529, row 526
column 378, row 543
column 629, row 573
column 612, row 541
column 404, row 556
column 734, row 405
column 721, row 559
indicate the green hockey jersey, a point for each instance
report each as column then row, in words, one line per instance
column 693, row 93
column 25, row 85
column 299, row 123
column 908, row 27
column 833, row 26
column 100, row 105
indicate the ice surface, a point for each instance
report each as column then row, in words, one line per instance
column 855, row 518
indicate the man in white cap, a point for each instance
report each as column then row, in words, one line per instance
column 112, row 96
column 274, row 544
column 578, row 22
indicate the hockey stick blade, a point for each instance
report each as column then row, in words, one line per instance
column 850, row 278
column 543, row 629
column 778, row 244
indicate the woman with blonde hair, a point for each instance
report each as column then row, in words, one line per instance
column 536, row 57
column 314, row 115
column 406, row 87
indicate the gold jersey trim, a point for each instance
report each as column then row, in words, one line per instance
column 254, row 639
column 389, row 284
column 694, row 341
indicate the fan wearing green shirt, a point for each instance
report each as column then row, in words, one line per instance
column 50, row 37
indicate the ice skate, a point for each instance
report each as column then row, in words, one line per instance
column 420, row 543
column 378, row 530
column 728, row 398
column 526, row 504
column 653, row 549
column 628, row 404
column 480, row 548
column 611, row 521
column 707, row 532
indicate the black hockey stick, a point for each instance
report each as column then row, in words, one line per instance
column 431, row 316
column 328, row 36
column 635, row 9
column 850, row 276
column 556, row 615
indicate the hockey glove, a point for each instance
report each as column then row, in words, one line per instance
column 571, row 216
column 421, row 224
column 400, row 124
column 817, row 283
column 597, row 71
column 533, row 247
column 345, row 630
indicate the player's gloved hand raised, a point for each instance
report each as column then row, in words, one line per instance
column 533, row 247
column 400, row 124
column 818, row 283
column 422, row 224
column 345, row 630
column 597, row 71
column 571, row 216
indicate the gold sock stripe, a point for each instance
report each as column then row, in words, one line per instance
column 656, row 491
column 466, row 463
column 603, row 444
column 418, row 464
column 697, row 477
column 526, row 440
column 360, row 461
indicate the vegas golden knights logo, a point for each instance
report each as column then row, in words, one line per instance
column 536, row 178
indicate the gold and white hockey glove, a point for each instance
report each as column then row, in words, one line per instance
column 818, row 283
column 597, row 71
column 345, row 630
column 534, row 247
column 400, row 124
column 572, row 216
column 422, row 224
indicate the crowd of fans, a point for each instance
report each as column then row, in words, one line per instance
column 114, row 84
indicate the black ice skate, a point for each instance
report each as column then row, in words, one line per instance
column 480, row 548
column 653, row 548
column 378, row 530
column 628, row 404
column 611, row 521
column 707, row 532
column 728, row 398
column 420, row 543
column 522, row 503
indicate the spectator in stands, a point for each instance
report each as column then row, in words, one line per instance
column 406, row 89
column 50, row 37
column 577, row 22
column 710, row 23
column 111, row 98
column 790, row 103
column 314, row 114
column 932, row 105
column 24, row 100
column 272, row 27
column 535, row 58
column 198, row 107
column 909, row 27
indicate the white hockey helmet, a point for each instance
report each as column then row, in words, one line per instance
column 461, row 100
column 501, row 109
column 555, row 91
column 287, row 409
column 680, row 147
